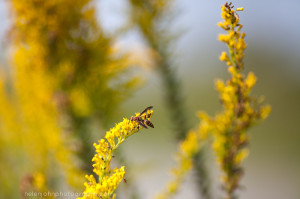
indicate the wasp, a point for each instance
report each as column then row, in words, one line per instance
column 142, row 118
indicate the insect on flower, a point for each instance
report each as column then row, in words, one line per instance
column 142, row 118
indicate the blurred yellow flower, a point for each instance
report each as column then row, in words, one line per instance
column 239, row 109
column 228, row 128
column 64, row 73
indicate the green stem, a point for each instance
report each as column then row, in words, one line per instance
column 174, row 101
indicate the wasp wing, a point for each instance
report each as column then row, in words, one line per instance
column 146, row 109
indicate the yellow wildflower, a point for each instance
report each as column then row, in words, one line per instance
column 63, row 73
column 109, row 179
column 228, row 127
column 187, row 150
column 240, row 111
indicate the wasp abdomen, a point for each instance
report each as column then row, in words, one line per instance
column 149, row 123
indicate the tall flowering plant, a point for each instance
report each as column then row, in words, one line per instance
column 108, row 178
column 228, row 128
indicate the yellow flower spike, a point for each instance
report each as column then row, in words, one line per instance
column 109, row 179
column 187, row 149
column 239, row 109
column 228, row 128
column 54, row 77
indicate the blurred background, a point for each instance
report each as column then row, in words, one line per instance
column 273, row 168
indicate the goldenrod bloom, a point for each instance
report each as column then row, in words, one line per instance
column 240, row 109
column 109, row 179
column 187, row 150
column 64, row 73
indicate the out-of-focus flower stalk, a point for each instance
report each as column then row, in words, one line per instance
column 240, row 110
column 228, row 128
column 62, row 42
